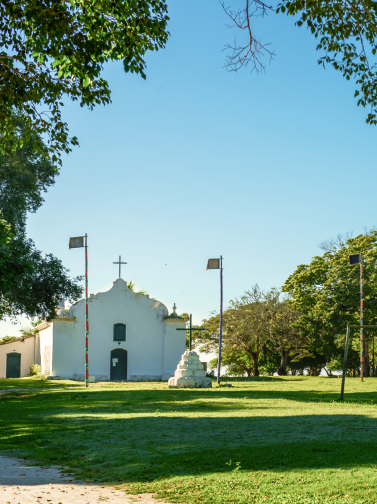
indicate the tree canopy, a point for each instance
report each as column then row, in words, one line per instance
column 256, row 326
column 57, row 48
column 30, row 283
column 265, row 332
column 326, row 293
column 346, row 31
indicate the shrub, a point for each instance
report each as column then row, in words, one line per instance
column 35, row 369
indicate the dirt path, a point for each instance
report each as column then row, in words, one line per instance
column 22, row 484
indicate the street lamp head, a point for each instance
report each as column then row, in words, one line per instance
column 213, row 264
column 76, row 242
column 355, row 259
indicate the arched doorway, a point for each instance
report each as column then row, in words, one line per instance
column 118, row 365
column 13, row 365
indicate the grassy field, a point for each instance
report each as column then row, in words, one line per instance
column 267, row 440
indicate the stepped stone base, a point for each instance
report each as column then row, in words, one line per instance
column 190, row 373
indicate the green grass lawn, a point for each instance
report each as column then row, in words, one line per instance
column 276, row 440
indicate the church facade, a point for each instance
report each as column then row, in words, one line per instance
column 131, row 337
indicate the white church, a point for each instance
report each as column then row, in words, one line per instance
column 131, row 337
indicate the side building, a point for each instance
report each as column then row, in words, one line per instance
column 17, row 356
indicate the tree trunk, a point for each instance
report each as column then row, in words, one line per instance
column 254, row 356
column 282, row 371
column 366, row 358
column 315, row 371
column 293, row 372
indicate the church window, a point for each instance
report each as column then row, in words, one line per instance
column 119, row 332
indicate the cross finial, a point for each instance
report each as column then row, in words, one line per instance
column 119, row 262
column 174, row 308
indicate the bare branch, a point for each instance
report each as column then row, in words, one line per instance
column 252, row 51
column 335, row 244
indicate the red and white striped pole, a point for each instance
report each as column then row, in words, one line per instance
column 86, row 315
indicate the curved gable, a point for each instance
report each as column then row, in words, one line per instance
column 120, row 297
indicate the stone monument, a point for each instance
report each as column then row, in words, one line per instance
column 190, row 372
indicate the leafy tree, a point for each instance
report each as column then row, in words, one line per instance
column 346, row 31
column 269, row 360
column 29, row 283
column 327, row 294
column 284, row 337
column 259, row 329
column 313, row 362
column 244, row 332
column 347, row 34
column 25, row 174
column 5, row 232
column 237, row 361
column 32, row 284
column 246, row 325
column 56, row 49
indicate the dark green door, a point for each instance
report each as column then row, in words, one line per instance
column 118, row 365
column 13, row 365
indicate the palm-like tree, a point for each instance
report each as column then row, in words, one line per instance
column 131, row 286
column 29, row 331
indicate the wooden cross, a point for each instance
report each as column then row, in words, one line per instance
column 120, row 263
column 191, row 329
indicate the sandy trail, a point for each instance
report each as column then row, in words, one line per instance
column 22, row 484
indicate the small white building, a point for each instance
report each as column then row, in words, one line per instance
column 131, row 337
column 17, row 356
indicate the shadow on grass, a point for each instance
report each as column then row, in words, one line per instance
column 33, row 382
column 117, row 436
column 233, row 379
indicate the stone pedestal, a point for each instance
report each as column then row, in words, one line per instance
column 190, row 372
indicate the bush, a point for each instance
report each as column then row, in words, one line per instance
column 35, row 369
column 6, row 339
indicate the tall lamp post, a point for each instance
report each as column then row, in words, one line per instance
column 218, row 264
column 358, row 259
column 78, row 242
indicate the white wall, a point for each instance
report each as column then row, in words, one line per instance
column 28, row 347
column 145, row 336
column 45, row 341
column 174, row 345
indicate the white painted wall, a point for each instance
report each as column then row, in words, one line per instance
column 28, row 347
column 45, row 336
column 174, row 345
column 148, row 336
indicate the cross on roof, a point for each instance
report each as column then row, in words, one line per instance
column 120, row 263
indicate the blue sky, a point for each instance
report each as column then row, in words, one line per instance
column 196, row 162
